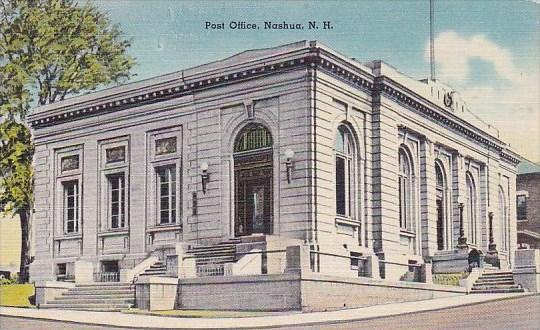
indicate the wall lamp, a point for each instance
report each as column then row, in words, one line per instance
column 289, row 154
column 205, row 177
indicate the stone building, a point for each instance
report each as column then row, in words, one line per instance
column 295, row 144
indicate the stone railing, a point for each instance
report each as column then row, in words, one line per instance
column 107, row 277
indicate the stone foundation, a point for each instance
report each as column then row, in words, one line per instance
column 290, row 291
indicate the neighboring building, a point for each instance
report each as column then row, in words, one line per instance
column 10, row 243
column 528, row 205
column 293, row 144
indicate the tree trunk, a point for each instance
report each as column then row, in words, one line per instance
column 24, row 215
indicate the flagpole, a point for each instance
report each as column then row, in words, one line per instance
column 431, row 39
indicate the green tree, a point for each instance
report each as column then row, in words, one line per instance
column 49, row 49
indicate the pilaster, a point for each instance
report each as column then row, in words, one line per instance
column 428, row 207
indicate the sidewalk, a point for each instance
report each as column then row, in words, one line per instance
column 294, row 319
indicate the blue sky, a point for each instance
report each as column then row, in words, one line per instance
column 487, row 50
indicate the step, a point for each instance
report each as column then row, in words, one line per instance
column 213, row 249
column 88, row 306
column 94, row 284
column 209, row 255
column 102, row 287
column 502, row 281
column 94, row 292
column 497, row 290
column 157, row 267
column 156, row 270
column 497, row 274
column 160, row 271
column 84, row 300
column 498, row 277
column 505, row 282
column 499, row 286
column 95, row 296
column 88, row 309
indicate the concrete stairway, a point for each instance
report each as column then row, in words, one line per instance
column 96, row 297
column 210, row 260
column 494, row 280
column 157, row 269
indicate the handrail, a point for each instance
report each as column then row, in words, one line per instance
column 339, row 255
column 399, row 263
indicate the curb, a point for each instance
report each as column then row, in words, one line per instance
column 282, row 325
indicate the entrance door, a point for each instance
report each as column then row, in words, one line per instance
column 253, row 194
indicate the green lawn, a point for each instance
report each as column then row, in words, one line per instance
column 16, row 295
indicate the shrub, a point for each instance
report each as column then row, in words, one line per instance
column 449, row 279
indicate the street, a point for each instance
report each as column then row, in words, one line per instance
column 520, row 313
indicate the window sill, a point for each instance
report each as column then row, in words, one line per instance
column 166, row 227
column 68, row 237
column 522, row 220
column 407, row 233
column 346, row 221
column 114, row 232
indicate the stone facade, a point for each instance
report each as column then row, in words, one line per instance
column 136, row 169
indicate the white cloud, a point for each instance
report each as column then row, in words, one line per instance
column 453, row 55
column 509, row 101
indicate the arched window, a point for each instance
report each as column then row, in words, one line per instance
column 345, row 172
column 253, row 137
column 441, row 205
column 405, row 191
column 503, row 221
column 471, row 207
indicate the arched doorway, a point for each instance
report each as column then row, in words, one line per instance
column 253, row 172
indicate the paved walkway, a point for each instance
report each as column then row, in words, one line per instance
column 294, row 319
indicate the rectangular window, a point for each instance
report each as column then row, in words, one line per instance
column 521, row 207
column 340, row 186
column 117, row 200
column 166, row 188
column 71, row 206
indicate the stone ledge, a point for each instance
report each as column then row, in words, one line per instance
column 54, row 284
column 157, row 280
column 241, row 279
column 381, row 283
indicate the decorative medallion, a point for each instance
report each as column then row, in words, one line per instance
column 70, row 163
column 448, row 99
column 116, row 154
column 166, row 146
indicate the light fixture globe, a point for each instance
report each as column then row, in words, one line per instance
column 289, row 154
column 204, row 166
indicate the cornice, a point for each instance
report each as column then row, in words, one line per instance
column 402, row 95
column 510, row 158
column 179, row 89
column 314, row 57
